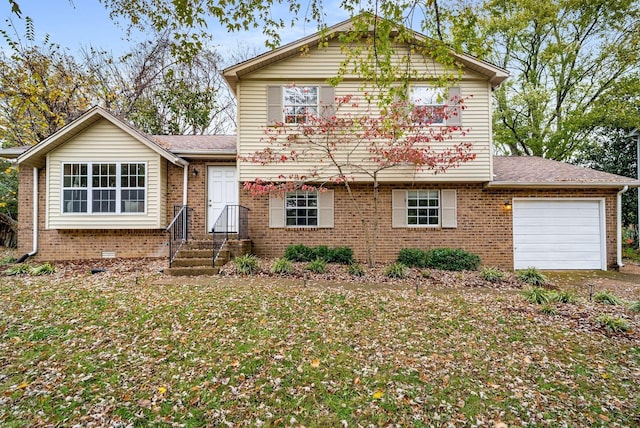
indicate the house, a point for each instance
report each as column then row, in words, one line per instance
column 100, row 188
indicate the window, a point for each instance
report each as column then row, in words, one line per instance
column 428, row 105
column 299, row 102
column 426, row 208
column 301, row 208
column 103, row 188
column 423, row 208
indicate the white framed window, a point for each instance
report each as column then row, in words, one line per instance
column 429, row 105
column 300, row 102
column 424, row 208
column 103, row 187
column 301, row 209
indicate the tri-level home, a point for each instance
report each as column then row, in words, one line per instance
column 100, row 188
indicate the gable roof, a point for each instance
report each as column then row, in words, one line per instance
column 533, row 171
column 35, row 155
column 232, row 75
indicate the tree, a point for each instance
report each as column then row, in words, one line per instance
column 41, row 88
column 358, row 145
column 566, row 57
column 160, row 94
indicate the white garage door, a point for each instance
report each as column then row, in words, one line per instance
column 558, row 234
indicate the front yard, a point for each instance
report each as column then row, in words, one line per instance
column 133, row 347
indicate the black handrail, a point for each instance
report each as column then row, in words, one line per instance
column 233, row 220
column 178, row 230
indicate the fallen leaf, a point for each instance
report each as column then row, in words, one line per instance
column 378, row 394
column 315, row 363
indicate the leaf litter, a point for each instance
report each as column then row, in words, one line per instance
column 131, row 346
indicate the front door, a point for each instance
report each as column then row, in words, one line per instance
column 222, row 190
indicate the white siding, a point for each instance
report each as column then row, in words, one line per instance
column 104, row 142
column 318, row 65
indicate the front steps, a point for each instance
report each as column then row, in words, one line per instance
column 194, row 259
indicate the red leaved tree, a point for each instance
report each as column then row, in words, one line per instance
column 350, row 142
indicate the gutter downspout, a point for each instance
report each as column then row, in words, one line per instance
column 185, row 181
column 619, row 226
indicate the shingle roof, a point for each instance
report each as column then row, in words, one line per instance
column 200, row 144
column 532, row 171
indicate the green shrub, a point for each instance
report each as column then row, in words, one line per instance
column 453, row 259
column 299, row 253
column 537, row 295
column 355, row 269
column 247, row 264
column 321, row 252
column 532, row 276
column 548, row 309
column 563, row 296
column 413, row 257
column 635, row 306
column 282, row 266
column 613, row 324
column 396, row 270
column 492, row 274
column 18, row 269
column 607, row 298
column 317, row 266
column 44, row 269
column 341, row 255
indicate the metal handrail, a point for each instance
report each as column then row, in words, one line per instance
column 178, row 230
column 233, row 220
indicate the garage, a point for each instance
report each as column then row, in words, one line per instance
column 559, row 234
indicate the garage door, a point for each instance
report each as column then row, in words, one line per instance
column 558, row 234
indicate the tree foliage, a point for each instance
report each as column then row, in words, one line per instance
column 159, row 93
column 356, row 142
column 566, row 58
column 42, row 86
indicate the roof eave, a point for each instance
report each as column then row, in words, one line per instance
column 557, row 185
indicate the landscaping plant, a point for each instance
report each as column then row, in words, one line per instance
column 246, row 264
column 453, row 259
column 355, row 269
column 607, row 298
column 537, row 295
column 492, row 274
column 396, row 270
column 413, row 257
column 613, row 324
column 317, row 266
column 282, row 266
column 532, row 276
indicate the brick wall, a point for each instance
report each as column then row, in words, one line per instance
column 484, row 226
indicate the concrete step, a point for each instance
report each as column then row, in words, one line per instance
column 195, row 254
column 192, row 271
column 198, row 245
column 192, row 261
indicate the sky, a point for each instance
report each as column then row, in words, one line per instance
column 82, row 23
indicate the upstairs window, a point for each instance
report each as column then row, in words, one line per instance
column 103, row 188
column 299, row 103
column 428, row 105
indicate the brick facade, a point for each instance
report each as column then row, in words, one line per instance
column 484, row 226
column 71, row 244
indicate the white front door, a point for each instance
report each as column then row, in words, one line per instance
column 222, row 190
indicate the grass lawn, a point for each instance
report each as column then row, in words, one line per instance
column 116, row 351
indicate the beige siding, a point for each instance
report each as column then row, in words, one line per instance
column 476, row 117
column 104, row 142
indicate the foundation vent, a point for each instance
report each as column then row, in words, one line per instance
column 108, row 254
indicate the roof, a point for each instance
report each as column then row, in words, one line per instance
column 35, row 155
column 193, row 146
column 233, row 74
column 533, row 171
column 13, row 152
